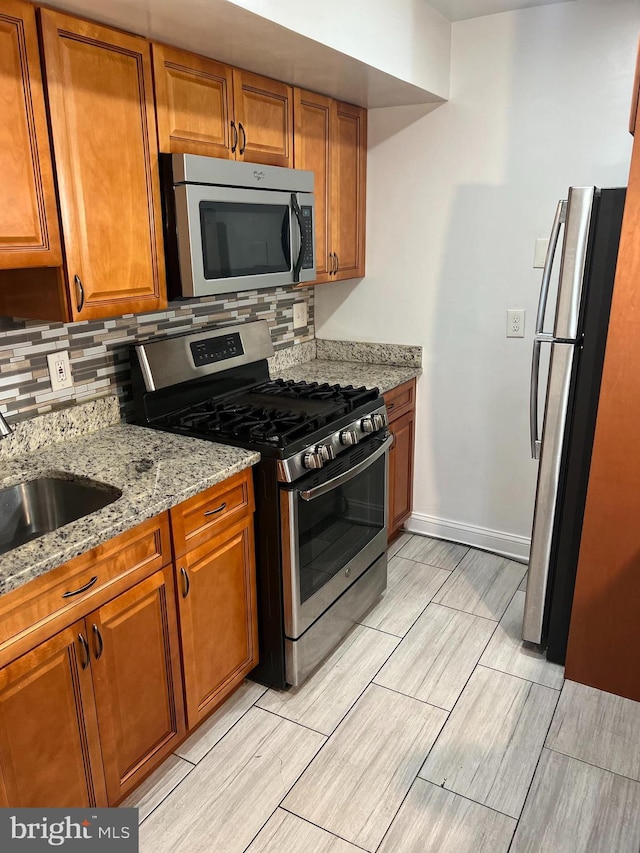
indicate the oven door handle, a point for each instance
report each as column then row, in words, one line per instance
column 348, row 475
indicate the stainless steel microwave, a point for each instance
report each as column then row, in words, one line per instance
column 233, row 226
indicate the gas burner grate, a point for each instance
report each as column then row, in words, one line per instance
column 346, row 395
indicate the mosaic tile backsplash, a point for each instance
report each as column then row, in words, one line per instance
column 99, row 349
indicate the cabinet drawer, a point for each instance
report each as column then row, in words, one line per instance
column 400, row 400
column 51, row 602
column 203, row 516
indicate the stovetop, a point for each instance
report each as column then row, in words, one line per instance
column 275, row 414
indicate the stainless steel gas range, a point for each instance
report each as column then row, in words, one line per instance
column 320, row 487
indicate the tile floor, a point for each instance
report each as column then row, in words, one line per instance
column 430, row 729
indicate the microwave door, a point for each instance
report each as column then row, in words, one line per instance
column 232, row 239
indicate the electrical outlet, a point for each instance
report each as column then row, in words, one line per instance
column 300, row 315
column 59, row 370
column 515, row 323
column 540, row 253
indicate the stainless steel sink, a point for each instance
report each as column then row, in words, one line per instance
column 29, row 510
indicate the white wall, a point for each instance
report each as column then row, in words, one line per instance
column 405, row 38
column 539, row 101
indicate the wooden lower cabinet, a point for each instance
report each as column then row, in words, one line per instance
column 218, row 617
column 136, row 679
column 49, row 745
column 400, row 404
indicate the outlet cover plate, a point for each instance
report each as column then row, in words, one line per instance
column 515, row 323
column 60, row 370
column 300, row 315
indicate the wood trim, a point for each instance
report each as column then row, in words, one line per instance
column 44, row 249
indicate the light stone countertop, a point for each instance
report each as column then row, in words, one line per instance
column 382, row 376
column 154, row 470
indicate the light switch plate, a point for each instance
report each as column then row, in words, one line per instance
column 515, row 323
column 540, row 253
column 59, row 370
column 300, row 315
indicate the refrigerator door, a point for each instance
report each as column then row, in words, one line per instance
column 574, row 258
column 561, row 368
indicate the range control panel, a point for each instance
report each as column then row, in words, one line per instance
column 307, row 224
column 216, row 349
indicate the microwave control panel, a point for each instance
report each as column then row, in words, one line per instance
column 307, row 224
column 216, row 349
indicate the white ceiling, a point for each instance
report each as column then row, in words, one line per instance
column 460, row 10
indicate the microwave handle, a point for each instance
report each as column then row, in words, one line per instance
column 303, row 240
column 322, row 489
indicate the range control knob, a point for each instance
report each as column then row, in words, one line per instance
column 379, row 421
column 326, row 452
column 348, row 437
column 367, row 424
column 312, row 460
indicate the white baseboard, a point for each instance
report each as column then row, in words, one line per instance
column 505, row 544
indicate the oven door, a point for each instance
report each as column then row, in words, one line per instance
column 232, row 239
column 333, row 530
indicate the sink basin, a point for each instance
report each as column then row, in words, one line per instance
column 29, row 510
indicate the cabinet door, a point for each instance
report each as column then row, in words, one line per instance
column 264, row 115
column 217, row 605
column 104, row 138
column 312, row 151
column 401, row 471
column 348, row 190
column 194, row 99
column 49, row 744
column 137, row 683
column 29, row 235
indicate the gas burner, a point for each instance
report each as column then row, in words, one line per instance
column 345, row 395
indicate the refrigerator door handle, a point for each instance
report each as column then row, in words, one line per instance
column 555, row 419
column 558, row 220
column 534, row 393
column 574, row 259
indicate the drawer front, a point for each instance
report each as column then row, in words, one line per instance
column 195, row 521
column 57, row 598
column 400, row 400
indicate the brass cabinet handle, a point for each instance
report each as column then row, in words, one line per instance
column 186, row 582
column 217, row 509
column 84, row 645
column 98, row 646
column 243, row 144
column 84, row 588
column 80, row 288
column 235, row 137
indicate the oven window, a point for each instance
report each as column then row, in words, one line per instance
column 333, row 528
column 244, row 239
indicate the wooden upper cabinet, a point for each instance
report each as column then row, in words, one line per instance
column 29, row 234
column 312, row 152
column 263, row 110
column 194, row 97
column 99, row 83
column 348, row 189
column 49, row 743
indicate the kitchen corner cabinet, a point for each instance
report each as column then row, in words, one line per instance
column 206, row 107
column 400, row 403
column 99, row 84
column 215, row 567
column 29, row 234
column 331, row 141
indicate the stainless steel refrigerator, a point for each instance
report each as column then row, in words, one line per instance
column 571, row 338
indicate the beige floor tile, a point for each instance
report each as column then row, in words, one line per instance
column 599, row 728
column 229, row 796
column 576, row 808
column 482, row 584
column 158, row 786
column 435, row 552
column 323, row 700
column 357, row 783
column 411, row 586
column 507, row 652
column 435, row 659
column 209, row 733
column 433, row 820
column 397, row 544
column 490, row 745
column 287, row 833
